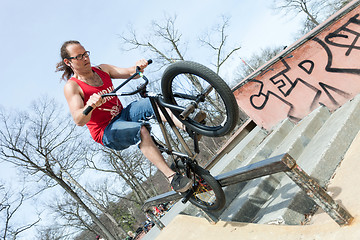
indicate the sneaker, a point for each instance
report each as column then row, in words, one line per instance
column 200, row 118
column 181, row 183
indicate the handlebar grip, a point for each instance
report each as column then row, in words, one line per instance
column 87, row 110
column 148, row 61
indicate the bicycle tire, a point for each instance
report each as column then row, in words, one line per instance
column 212, row 188
column 220, row 105
column 207, row 187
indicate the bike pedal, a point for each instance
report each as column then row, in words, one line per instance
column 187, row 196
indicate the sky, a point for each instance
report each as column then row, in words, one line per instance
column 32, row 32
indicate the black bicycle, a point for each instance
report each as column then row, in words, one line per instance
column 187, row 88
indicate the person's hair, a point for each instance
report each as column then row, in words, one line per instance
column 61, row 66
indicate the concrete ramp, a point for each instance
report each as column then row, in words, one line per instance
column 343, row 188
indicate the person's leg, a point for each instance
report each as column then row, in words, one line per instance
column 175, row 119
column 128, row 126
column 177, row 181
column 152, row 153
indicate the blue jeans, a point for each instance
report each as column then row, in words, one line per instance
column 124, row 130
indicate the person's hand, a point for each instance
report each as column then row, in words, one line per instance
column 95, row 101
column 142, row 63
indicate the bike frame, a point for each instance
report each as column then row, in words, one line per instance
column 158, row 105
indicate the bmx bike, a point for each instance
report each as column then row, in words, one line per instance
column 188, row 87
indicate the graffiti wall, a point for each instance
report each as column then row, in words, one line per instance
column 323, row 70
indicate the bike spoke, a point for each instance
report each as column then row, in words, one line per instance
column 188, row 87
column 204, row 193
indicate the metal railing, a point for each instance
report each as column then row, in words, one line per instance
column 281, row 163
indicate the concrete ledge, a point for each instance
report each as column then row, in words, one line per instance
column 265, row 149
column 322, row 226
column 319, row 159
column 256, row 193
column 240, row 152
column 300, row 136
column 251, row 151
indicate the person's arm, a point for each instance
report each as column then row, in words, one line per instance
column 123, row 73
column 74, row 98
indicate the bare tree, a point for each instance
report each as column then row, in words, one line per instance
column 43, row 143
column 50, row 233
column 10, row 205
column 315, row 11
column 216, row 40
column 118, row 229
column 71, row 216
column 164, row 41
column 256, row 60
column 299, row 6
column 128, row 166
column 336, row 5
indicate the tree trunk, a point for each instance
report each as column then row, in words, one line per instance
column 97, row 204
column 76, row 197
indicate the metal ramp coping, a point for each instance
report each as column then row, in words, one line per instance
column 281, row 163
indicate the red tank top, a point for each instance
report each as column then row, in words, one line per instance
column 102, row 115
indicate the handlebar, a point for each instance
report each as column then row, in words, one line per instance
column 140, row 89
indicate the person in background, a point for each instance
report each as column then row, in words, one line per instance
column 130, row 236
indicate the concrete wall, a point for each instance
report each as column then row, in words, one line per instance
column 322, row 68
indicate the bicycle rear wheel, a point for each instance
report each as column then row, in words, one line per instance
column 183, row 82
column 208, row 193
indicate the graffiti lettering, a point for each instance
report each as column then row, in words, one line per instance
column 340, row 34
column 323, row 71
column 307, row 66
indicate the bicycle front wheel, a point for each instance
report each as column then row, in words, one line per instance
column 185, row 82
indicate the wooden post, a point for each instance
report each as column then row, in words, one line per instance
column 317, row 193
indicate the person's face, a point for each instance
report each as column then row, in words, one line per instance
column 79, row 59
